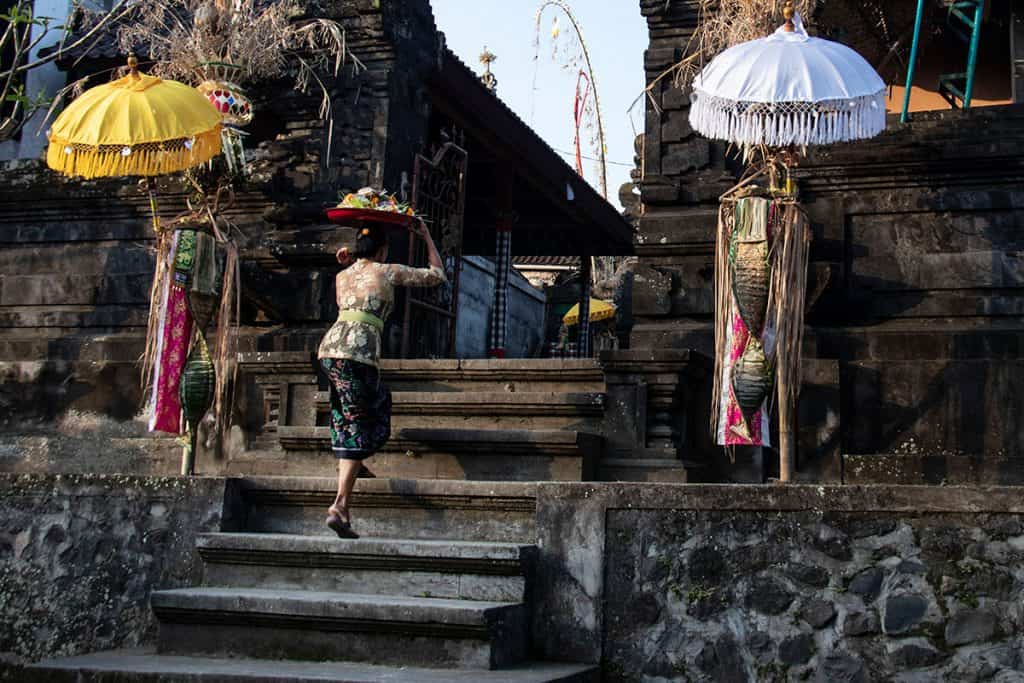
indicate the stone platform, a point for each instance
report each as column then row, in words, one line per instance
column 706, row 582
column 449, row 592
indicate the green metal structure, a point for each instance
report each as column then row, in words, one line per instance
column 965, row 18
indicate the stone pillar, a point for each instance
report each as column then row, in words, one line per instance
column 586, row 276
column 656, row 420
column 682, row 176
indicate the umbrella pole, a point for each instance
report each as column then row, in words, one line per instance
column 151, row 191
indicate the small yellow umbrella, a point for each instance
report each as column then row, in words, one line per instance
column 139, row 125
column 599, row 310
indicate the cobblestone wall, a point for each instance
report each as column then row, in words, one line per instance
column 79, row 555
column 736, row 583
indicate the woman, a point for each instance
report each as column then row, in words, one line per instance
column 350, row 352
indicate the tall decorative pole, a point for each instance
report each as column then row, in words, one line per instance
column 586, row 85
column 601, row 151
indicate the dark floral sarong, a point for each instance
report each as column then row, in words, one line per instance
column 360, row 408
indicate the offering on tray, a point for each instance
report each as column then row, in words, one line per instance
column 369, row 198
column 369, row 206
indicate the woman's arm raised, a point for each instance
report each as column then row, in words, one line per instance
column 433, row 257
column 407, row 276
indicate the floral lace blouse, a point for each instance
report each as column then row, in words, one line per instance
column 369, row 287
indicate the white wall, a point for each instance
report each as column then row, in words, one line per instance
column 476, row 297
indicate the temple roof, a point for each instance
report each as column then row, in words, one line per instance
column 558, row 212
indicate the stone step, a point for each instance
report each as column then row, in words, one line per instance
column 474, row 454
column 388, row 508
column 145, row 666
column 550, row 375
column 488, row 409
column 459, row 570
column 325, row 626
column 643, row 469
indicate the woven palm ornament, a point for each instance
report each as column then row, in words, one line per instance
column 772, row 95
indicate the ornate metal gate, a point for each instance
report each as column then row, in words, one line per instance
column 439, row 195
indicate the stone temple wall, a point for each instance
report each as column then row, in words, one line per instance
column 916, row 281
column 79, row 555
column 76, row 258
column 744, row 583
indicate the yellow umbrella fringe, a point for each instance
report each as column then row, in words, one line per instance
column 145, row 159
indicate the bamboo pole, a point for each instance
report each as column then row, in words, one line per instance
column 787, row 445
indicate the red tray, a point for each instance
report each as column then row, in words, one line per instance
column 346, row 216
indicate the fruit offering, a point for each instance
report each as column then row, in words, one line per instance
column 369, row 198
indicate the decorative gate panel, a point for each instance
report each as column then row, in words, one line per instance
column 438, row 191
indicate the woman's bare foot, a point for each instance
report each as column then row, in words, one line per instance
column 340, row 522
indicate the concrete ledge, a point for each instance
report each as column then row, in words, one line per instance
column 144, row 666
column 793, row 497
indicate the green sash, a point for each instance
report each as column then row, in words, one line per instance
column 361, row 317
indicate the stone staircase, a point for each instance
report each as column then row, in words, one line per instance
column 514, row 420
column 439, row 587
column 282, row 601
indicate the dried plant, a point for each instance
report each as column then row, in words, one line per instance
column 724, row 23
column 244, row 42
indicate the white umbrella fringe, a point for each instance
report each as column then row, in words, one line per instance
column 779, row 124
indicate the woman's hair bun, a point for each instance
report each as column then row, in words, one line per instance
column 369, row 241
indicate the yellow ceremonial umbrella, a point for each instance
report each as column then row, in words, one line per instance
column 599, row 310
column 141, row 125
column 138, row 125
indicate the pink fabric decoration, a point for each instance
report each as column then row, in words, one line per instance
column 177, row 335
column 735, row 425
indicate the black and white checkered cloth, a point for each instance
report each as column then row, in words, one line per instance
column 499, row 312
column 583, row 340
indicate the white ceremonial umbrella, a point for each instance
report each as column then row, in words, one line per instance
column 788, row 89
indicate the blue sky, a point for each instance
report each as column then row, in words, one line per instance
column 616, row 36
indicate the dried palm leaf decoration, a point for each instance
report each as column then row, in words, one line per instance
column 750, row 272
column 751, row 379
